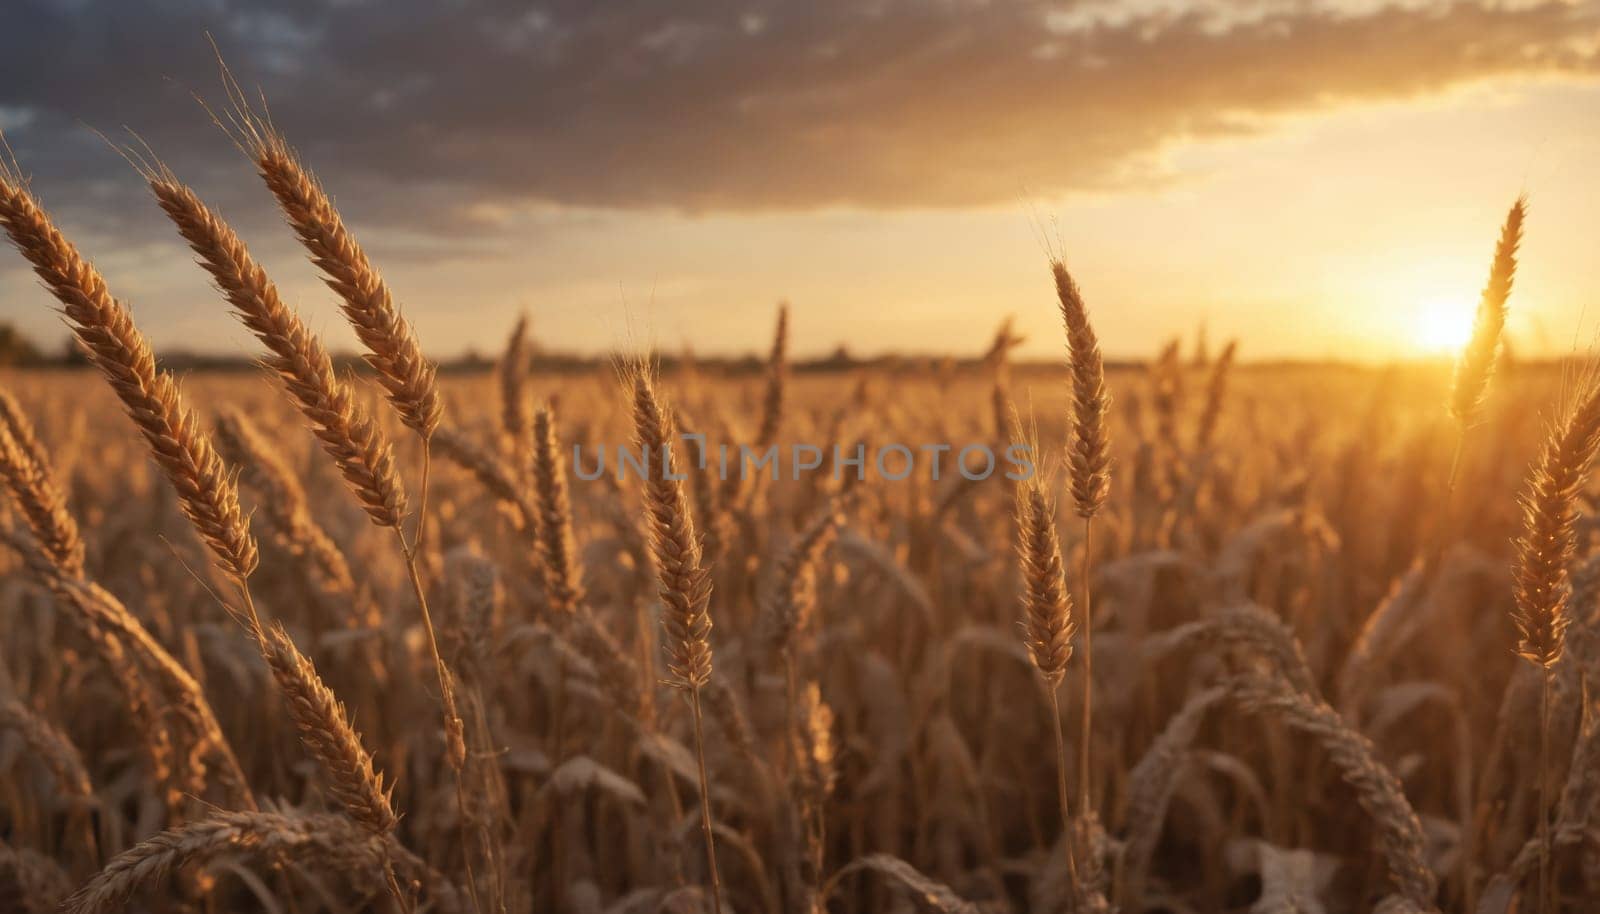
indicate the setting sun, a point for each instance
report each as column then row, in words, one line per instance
column 1442, row 326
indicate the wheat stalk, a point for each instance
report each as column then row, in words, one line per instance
column 818, row 773
column 685, row 584
column 1047, row 624
column 1544, row 552
column 1089, row 466
column 408, row 378
column 392, row 348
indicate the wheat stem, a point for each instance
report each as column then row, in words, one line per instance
column 705, row 802
column 454, row 729
column 1546, row 675
column 1061, row 786
column 1084, row 784
column 422, row 496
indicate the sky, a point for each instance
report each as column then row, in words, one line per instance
column 1317, row 179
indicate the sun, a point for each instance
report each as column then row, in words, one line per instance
column 1442, row 326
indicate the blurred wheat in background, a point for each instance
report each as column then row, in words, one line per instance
column 1252, row 638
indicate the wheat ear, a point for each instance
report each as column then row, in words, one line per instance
column 392, row 351
column 392, row 348
column 151, row 397
column 1089, row 466
column 558, row 548
column 777, row 380
column 322, row 843
column 15, row 422
column 356, row 444
column 1548, row 540
column 327, row 734
column 282, row 500
column 516, row 421
column 27, row 476
column 206, row 490
column 1477, row 360
column 685, row 584
column 1047, row 608
column 792, row 594
column 1089, row 458
column 1216, row 395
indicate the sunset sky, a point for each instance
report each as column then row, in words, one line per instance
column 1315, row 178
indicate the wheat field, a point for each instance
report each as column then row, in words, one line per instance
column 1246, row 638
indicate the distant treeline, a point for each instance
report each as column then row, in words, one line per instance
column 18, row 351
column 551, row 363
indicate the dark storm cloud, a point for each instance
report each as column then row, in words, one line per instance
column 433, row 115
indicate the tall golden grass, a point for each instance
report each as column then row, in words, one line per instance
column 195, row 719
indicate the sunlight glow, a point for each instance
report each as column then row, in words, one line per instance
column 1442, row 325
